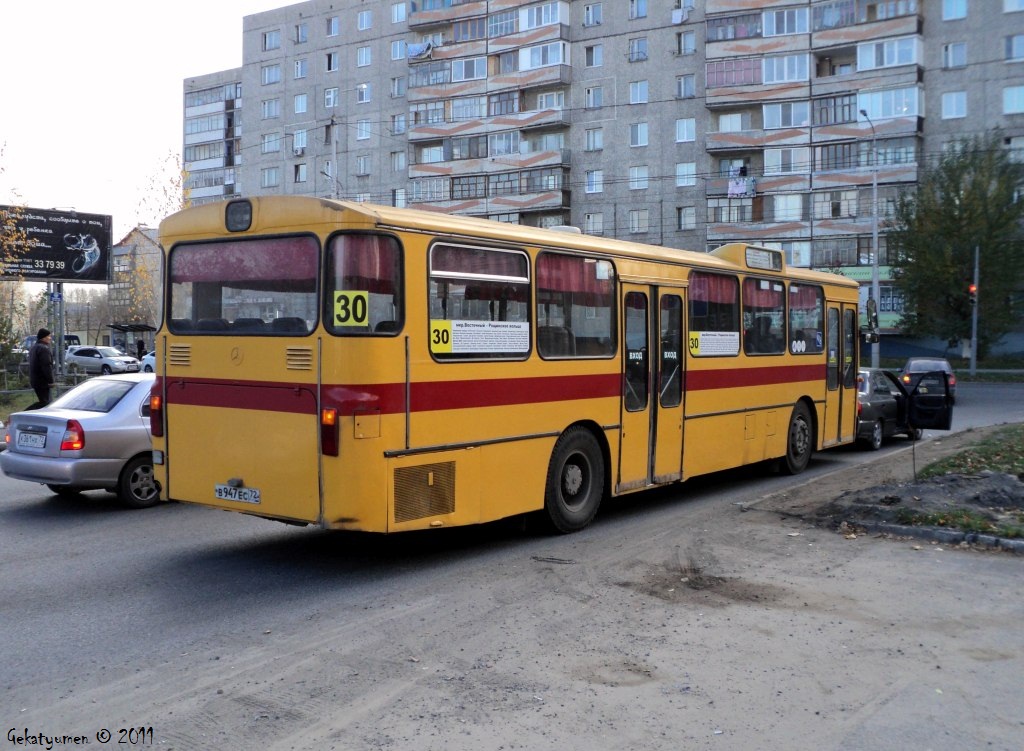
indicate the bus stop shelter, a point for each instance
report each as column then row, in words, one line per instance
column 133, row 333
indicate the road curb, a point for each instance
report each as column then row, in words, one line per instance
column 946, row 536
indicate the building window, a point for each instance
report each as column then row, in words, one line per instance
column 787, row 207
column 271, row 74
column 504, row 103
column 639, row 221
column 300, row 68
column 733, row 72
column 541, row 15
column 332, row 62
column 397, row 12
column 785, row 68
column 1013, row 100
column 835, row 204
column 954, row 55
column 594, row 96
column 397, row 161
column 398, row 198
column 638, row 134
column 835, row 109
column 331, row 97
column 883, row 105
column 786, row 161
column 638, row 177
column 779, row 22
column 299, row 139
column 363, row 94
column 397, row 124
column 954, row 9
column 1009, row 6
column 887, row 54
column 502, row 23
column 686, row 218
column 786, row 115
column 686, row 86
column 362, row 130
column 594, row 56
column 362, row 164
column 685, row 129
column 469, row 69
column 595, row 139
column 551, row 100
column 398, row 86
column 954, row 105
column 364, row 20
column 731, row 122
column 686, row 174
column 333, row 26
column 837, row 156
column 469, row 29
column 637, row 9
column 270, row 177
column 363, row 57
column 271, row 40
column 638, row 92
column 735, row 27
column 592, row 14
column 686, row 43
column 595, row 181
column 271, row 108
column 301, row 33
column 270, row 143
column 398, row 49
column 638, row 49
column 1015, row 47
column 299, row 173
column 300, row 104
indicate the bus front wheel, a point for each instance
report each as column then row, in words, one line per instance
column 575, row 483
column 799, row 442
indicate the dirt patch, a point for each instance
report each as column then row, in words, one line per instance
column 885, row 495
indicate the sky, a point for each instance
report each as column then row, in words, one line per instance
column 91, row 101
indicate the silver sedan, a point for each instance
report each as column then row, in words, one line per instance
column 94, row 437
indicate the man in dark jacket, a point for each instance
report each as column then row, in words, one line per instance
column 40, row 369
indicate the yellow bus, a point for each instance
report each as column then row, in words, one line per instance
column 371, row 368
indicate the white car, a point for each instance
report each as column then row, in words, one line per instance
column 149, row 363
column 105, row 360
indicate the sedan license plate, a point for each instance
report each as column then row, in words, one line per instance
column 241, row 495
column 32, row 440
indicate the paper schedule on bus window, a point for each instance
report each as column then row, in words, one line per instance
column 465, row 337
column 711, row 343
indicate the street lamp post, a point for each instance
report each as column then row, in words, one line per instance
column 875, row 294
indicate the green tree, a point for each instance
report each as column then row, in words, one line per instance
column 968, row 200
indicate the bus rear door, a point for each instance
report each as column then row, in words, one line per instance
column 841, row 374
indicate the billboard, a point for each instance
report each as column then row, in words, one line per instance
column 55, row 246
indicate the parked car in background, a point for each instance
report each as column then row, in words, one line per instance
column 104, row 360
column 881, row 408
column 94, row 437
column 148, row 362
column 916, row 367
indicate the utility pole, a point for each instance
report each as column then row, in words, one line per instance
column 875, row 294
column 974, row 315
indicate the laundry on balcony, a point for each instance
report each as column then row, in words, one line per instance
column 742, row 187
column 418, row 50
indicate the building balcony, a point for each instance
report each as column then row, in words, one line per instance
column 522, row 203
column 755, row 139
column 491, row 165
column 426, row 13
column 478, row 126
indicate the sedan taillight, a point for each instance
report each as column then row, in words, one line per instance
column 74, row 437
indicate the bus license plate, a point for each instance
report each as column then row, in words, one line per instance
column 32, row 440
column 240, row 495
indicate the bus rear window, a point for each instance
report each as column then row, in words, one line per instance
column 364, row 285
column 245, row 287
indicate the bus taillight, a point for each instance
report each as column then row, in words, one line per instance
column 329, row 431
column 156, row 415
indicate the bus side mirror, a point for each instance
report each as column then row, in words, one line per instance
column 871, row 330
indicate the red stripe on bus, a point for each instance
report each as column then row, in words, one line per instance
column 702, row 380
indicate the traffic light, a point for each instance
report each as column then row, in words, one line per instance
column 972, row 291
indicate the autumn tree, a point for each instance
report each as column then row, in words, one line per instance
column 967, row 200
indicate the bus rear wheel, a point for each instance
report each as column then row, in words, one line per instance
column 575, row 483
column 799, row 441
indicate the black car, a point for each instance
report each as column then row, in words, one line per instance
column 881, row 408
column 917, row 368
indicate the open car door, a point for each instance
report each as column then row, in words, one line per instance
column 929, row 403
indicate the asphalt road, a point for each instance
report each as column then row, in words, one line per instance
column 223, row 631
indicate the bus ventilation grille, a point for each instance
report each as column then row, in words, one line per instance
column 298, row 358
column 180, row 354
column 424, row 491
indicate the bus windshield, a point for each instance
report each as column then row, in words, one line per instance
column 245, row 286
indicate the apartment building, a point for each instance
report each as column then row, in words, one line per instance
column 673, row 122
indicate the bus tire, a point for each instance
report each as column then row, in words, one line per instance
column 575, row 484
column 799, row 441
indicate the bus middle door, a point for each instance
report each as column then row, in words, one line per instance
column 841, row 374
column 651, row 434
